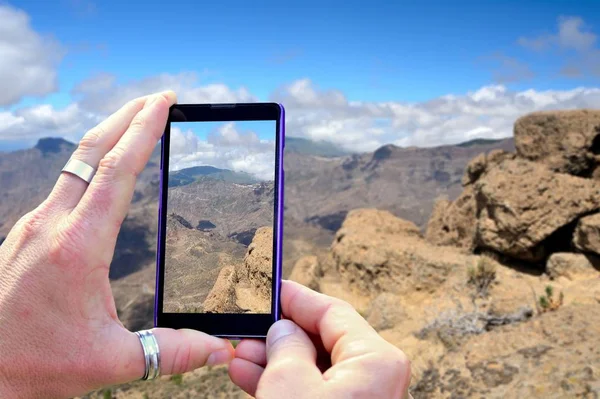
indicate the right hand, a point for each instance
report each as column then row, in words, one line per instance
column 324, row 349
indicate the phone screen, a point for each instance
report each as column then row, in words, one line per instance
column 220, row 213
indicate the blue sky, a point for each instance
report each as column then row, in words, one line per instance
column 316, row 55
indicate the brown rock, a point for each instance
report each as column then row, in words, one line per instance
column 259, row 262
column 563, row 140
column 307, row 272
column 222, row 298
column 522, row 203
column 247, row 286
column 474, row 169
column 587, row 234
column 454, row 223
column 385, row 311
column 375, row 252
column 571, row 265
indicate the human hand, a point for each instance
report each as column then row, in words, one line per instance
column 325, row 350
column 59, row 331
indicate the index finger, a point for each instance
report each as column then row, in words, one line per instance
column 107, row 199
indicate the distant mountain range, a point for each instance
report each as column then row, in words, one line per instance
column 302, row 146
column 323, row 183
column 186, row 176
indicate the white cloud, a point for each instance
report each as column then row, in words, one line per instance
column 45, row 120
column 28, row 61
column 488, row 112
column 225, row 148
column 313, row 113
column 572, row 35
column 104, row 94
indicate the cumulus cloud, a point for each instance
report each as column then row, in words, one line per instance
column 44, row 120
column 488, row 112
column 28, row 61
column 573, row 35
column 226, row 147
column 103, row 94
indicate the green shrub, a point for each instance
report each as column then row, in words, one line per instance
column 548, row 302
column 177, row 379
column 482, row 276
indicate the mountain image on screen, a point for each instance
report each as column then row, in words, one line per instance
column 219, row 225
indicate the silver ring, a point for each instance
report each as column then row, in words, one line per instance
column 80, row 169
column 151, row 354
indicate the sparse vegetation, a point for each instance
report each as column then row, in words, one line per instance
column 548, row 302
column 177, row 379
column 107, row 394
column 453, row 325
column 482, row 276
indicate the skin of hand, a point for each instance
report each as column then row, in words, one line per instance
column 322, row 349
column 59, row 331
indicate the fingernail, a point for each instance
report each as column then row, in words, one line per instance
column 221, row 356
column 280, row 329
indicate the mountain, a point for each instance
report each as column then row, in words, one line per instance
column 405, row 181
column 299, row 145
column 229, row 209
column 186, row 176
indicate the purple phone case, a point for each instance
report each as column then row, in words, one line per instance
column 279, row 247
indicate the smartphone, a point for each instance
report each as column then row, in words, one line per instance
column 220, row 222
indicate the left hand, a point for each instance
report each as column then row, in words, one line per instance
column 59, row 331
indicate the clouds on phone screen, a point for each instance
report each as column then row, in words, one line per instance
column 238, row 146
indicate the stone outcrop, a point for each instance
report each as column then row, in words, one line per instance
column 572, row 265
column 454, row 223
column 587, row 234
column 523, row 203
column 375, row 252
column 566, row 141
column 307, row 272
column 246, row 287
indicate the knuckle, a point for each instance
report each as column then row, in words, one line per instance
column 118, row 163
column 90, row 140
column 139, row 122
column 65, row 247
column 278, row 373
column 182, row 358
column 31, row 224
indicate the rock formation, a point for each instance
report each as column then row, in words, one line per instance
column 533, row 220
column 566, row 141
column 246, row 287
column 531, row 204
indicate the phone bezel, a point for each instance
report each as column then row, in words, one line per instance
column 227, row 325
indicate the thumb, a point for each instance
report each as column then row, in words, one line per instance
column 180, row 351
column 291, row 358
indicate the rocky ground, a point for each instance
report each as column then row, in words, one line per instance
column 501, row 296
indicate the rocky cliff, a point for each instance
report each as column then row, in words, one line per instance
column 500, row 297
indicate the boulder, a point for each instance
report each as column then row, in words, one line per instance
column 307, row 272
column 259, row 263
column 454, row 223
column 521, row 204
column 222, row 298
column 376, row 252
column 474, row 169
column 587, row 234
column 246, row 287
column 385, row 311
column 563, row 140
column 571, row 265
